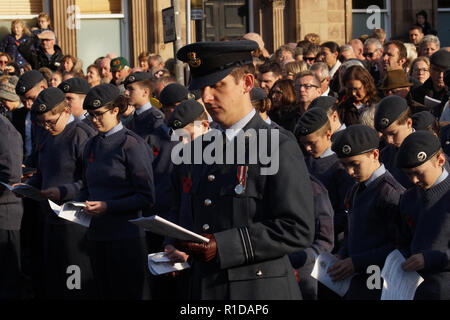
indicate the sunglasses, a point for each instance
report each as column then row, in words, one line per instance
column 309, row 58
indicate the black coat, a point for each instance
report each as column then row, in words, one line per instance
column 38, row 58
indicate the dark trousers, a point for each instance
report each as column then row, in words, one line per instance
column 308, row 285
column 120, row 268
column 68, row 272
column 10, row 275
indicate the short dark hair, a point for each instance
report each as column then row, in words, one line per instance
column 270, row 67
column 416, row 27
column 403, row 54
column 333, row 46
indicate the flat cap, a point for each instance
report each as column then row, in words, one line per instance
column 422, row 120
column 47, row 100
column 210, row 62
column 388, row 111
column 355, row 140
column 185, row 113
column 75, row 85
column 417, row 148
column 323, row 102
column 311, row 121
column 258, row 94
column 136, row 77
column 100, row 95
column 27, row 81
column 8, row 89
column 444, row 135
column 173, row 93
column 117, row 64
column 441, row 58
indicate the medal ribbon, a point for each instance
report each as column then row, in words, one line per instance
column 242, row 175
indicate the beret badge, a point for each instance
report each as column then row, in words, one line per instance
column 191, row 96
column 421, row 156
column 304, row 131
column 346, row 149
column 23, row 89
column 131, row 78
column 66, row 87
column 384, row 122
column 42, row 107
column 193, row 61
column 177, row 124
column 96, row 103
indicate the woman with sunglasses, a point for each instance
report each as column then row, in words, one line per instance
column 59, row 177
column 117, row 187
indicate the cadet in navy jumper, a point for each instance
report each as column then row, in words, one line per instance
column 59, row 167
column 118, row 185
column 373, row 210
column 425, row 236
column 146, row 117
column 11, row 211
column 304, row 260
column 314, row 131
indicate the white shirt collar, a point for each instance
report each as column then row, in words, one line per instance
column 268, row 120
column 326, row 153
column 325, row 94
column 117, row 128
column 335, row 68
column 144, row 108
column 342, row 127
column 377, row 173
column 233, row 131
column 80, row 118
column 71, row 119
column 441, row 178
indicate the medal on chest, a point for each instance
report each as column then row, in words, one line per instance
column 242, row 179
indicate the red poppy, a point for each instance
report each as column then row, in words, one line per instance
column 187, row 184
column 155, row 151
column 91, row 157
column 409, row 221
column 347, row 203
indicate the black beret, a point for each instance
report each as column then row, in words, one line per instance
column 75, row 85
column 311, row 121
column 441, row 58
column 422, row 120
column 355, row 140
column 100, row 95
column 136, row 77
column 210, row 62
column 173, row 93
column 258, row 94
column 27, row 81
column 417, row 148
column 47, row 100
column 388, row 111
column 444, row 135
column 185, row 113
column 323, row 102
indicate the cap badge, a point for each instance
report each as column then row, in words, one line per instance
column 177, row 124
column 191, row 96
column 96, row 103
column 66, row 87
column 193, row 61
column 384, row 122
column 346, row 149
column 23, row 89
column 421, row 156
column 42, row 107
column 131, row 78
column 303, row 131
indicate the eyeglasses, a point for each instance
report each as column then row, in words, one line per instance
column 309, row 58
column 49, row 123
column 306, row 86
column 368, row 54
column 95, row 115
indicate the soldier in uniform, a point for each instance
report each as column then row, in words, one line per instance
column 252, row 217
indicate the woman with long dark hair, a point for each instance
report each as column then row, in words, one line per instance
column 360, row 94
column 282, row 97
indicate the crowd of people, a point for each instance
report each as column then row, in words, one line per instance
column 364, row 140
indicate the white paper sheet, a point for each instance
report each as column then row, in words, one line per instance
column 25, row 190
column 398, row 284
column 166, row 228
column 430, row 102
column 72, row 211
column 323, row 262
column 159, row 263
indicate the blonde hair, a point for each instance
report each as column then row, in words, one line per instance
column 19, row 21
column 313, row 38
column 295, row 67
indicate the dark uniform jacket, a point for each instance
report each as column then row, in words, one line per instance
column 255, row 230
column 10, row 172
